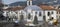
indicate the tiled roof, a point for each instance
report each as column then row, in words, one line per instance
column 46, row 7
column 15, row 8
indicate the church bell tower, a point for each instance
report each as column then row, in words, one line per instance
column 29, row 2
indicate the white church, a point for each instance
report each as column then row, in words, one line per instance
column 39, row 12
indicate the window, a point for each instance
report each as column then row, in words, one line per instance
column 48, row 13
column 51, row 18
column 52, row 12
column 59, row 7
column 44, row 17
column 29, row 16
column 39, row 13
column 35, row 12
column 29, row 3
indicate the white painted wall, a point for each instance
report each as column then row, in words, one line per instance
column 5, row 13
column 52, row 15
column 19, row 13
column 40, row 18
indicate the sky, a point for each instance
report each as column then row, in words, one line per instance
column 11, row 1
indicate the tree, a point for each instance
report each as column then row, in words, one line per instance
column 1, row 11
column 1, row 5
column 35, row 20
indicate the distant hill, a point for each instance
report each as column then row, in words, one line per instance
column 35, row 2
column 21, row 3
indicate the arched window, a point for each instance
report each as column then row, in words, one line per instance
column 40, row 14
column 29, row 16
column 52, row 12
column 48, row 13
column 35, row 12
